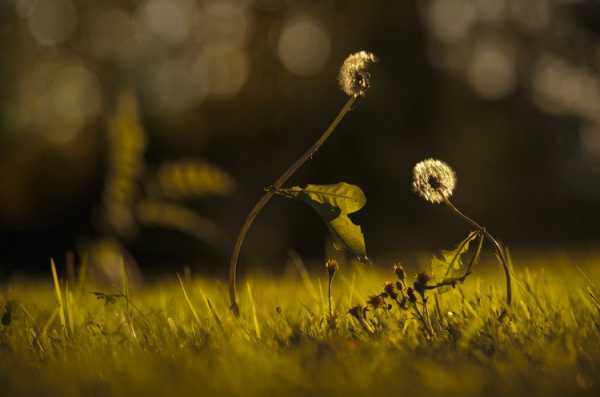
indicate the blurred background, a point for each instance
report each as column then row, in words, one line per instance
column 146, row 129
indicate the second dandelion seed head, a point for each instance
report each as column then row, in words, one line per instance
column 433, row 180
column 355, row 76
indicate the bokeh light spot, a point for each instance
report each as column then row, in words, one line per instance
column 492, row 69
column 75, row 99
column 25, row 8
column 563, row 87
column 179, row 84
column 52, row 21
column 450, row 21
column 57, row 100
column 222, row 23
column 304, row 47
column 492, row 10
column 110, row 30
column 167, row 19
column 228, row 70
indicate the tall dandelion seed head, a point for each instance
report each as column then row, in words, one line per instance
column 354, row 77
column 433, row 180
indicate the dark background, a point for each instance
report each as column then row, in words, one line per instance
column 506, row 92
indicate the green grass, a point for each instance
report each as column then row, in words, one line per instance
column 162, row 341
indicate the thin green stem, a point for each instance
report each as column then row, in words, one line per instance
column 426, row 315
column 329, row 299
column 269, row 194
column 421, row 318
column 498, row 247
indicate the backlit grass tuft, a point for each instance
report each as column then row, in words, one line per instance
column 179, row 338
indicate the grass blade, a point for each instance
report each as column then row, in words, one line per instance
column 59, row 298
column 256, row 324
column 189, row 301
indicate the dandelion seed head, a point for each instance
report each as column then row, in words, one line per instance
column 433, row 180
column 355, row 77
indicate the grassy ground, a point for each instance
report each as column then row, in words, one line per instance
column 157, row 343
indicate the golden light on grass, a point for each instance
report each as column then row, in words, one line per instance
column 176, row 331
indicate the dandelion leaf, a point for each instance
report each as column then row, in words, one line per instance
column 333, row 203
column 450, row 265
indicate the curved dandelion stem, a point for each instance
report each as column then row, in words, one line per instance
column 498, row 247
column 269, row 194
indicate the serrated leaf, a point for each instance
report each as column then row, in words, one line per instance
column 333, row 203
column 450, row 264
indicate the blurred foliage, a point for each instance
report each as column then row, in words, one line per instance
column 127, row 143
column 103, row 260
column 126, row 206
column 190, row 178
column 164, row 214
